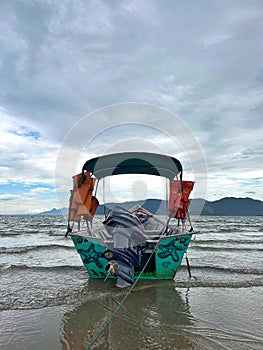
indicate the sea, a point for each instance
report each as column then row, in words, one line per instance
column 48, row 301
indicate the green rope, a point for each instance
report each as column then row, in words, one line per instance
column 122, row 301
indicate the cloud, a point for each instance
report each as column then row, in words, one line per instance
column 25, row 156
column 60, row 61
column 8, row 197
column 27, row 199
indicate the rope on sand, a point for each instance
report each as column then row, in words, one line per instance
column 122, row 301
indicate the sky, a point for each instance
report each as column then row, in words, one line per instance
column 72, row 73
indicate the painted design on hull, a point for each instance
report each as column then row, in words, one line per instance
column 91, row 252
column 91, row 255
column 168, row 257
column 170, row 249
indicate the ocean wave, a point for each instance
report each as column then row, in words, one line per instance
column 56, row 268
column 81, row 293
column 226, row 270
column 52, row 225
column 10, row 234
column 234, row 229
column 75, row 295
column 195, row 282
column 55, row 234
column 225, row 248
column 19, row 250
column 228, row 229
column 18, row 232
column 203, row 269
column 255, row 241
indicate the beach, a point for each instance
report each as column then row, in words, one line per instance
column 49, row 302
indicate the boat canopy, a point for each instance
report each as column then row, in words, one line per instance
column 134, row 163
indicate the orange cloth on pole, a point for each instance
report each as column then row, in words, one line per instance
column 81, row 202
column 179, row 198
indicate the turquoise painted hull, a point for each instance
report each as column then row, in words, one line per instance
column 164, row 263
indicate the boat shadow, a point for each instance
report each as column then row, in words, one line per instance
column 154, row 316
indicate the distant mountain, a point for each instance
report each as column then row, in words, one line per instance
column 228, row 206
column 152, row 205
column 233, row 206
column 54, row 211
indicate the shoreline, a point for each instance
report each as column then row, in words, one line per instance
column 206, row 317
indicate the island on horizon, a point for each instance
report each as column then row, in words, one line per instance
column 228, row 206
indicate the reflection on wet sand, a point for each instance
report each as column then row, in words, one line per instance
column 155, row 316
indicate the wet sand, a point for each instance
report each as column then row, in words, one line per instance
column 155, row 316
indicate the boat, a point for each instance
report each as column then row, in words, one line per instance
column 130, row 243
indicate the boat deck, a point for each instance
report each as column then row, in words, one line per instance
column 154, row 228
